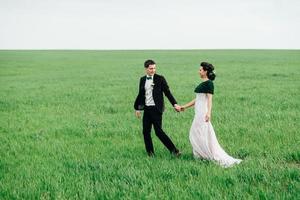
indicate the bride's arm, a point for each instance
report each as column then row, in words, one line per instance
column 209, row 106
column 190, row 104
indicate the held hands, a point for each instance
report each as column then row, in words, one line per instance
column 178, row 108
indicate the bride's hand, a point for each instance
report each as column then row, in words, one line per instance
column 207, row 117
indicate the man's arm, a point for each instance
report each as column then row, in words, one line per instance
column 167, row 92
column 137, row 103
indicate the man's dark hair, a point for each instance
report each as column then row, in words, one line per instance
column 148, row 62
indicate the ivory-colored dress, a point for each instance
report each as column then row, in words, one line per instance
column 202, row 135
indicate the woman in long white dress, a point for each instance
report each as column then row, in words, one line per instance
column 202, row 135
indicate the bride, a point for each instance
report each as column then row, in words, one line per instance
column 202, row 135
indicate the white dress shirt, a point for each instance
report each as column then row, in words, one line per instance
column 149, row 89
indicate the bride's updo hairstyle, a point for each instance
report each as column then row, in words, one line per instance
column 210, row 70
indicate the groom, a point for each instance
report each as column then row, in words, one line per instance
column 150, row 99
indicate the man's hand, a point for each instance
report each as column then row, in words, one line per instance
column 138, row 114
column 177, row 107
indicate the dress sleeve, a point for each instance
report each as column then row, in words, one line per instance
column 198, row 89
column 210, row 87
column 205, row 87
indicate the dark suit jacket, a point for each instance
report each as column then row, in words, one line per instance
column 160, row 87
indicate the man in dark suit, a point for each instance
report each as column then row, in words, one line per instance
column 151, row 100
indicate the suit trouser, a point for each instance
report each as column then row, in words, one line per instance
column 153, row 117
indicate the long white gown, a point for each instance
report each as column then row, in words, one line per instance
column 203, row 138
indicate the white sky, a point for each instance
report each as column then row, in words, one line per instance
column 152, row 24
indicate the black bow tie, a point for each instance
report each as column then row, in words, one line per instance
column 149, row 77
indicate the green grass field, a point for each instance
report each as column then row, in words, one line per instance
column 68, row 130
